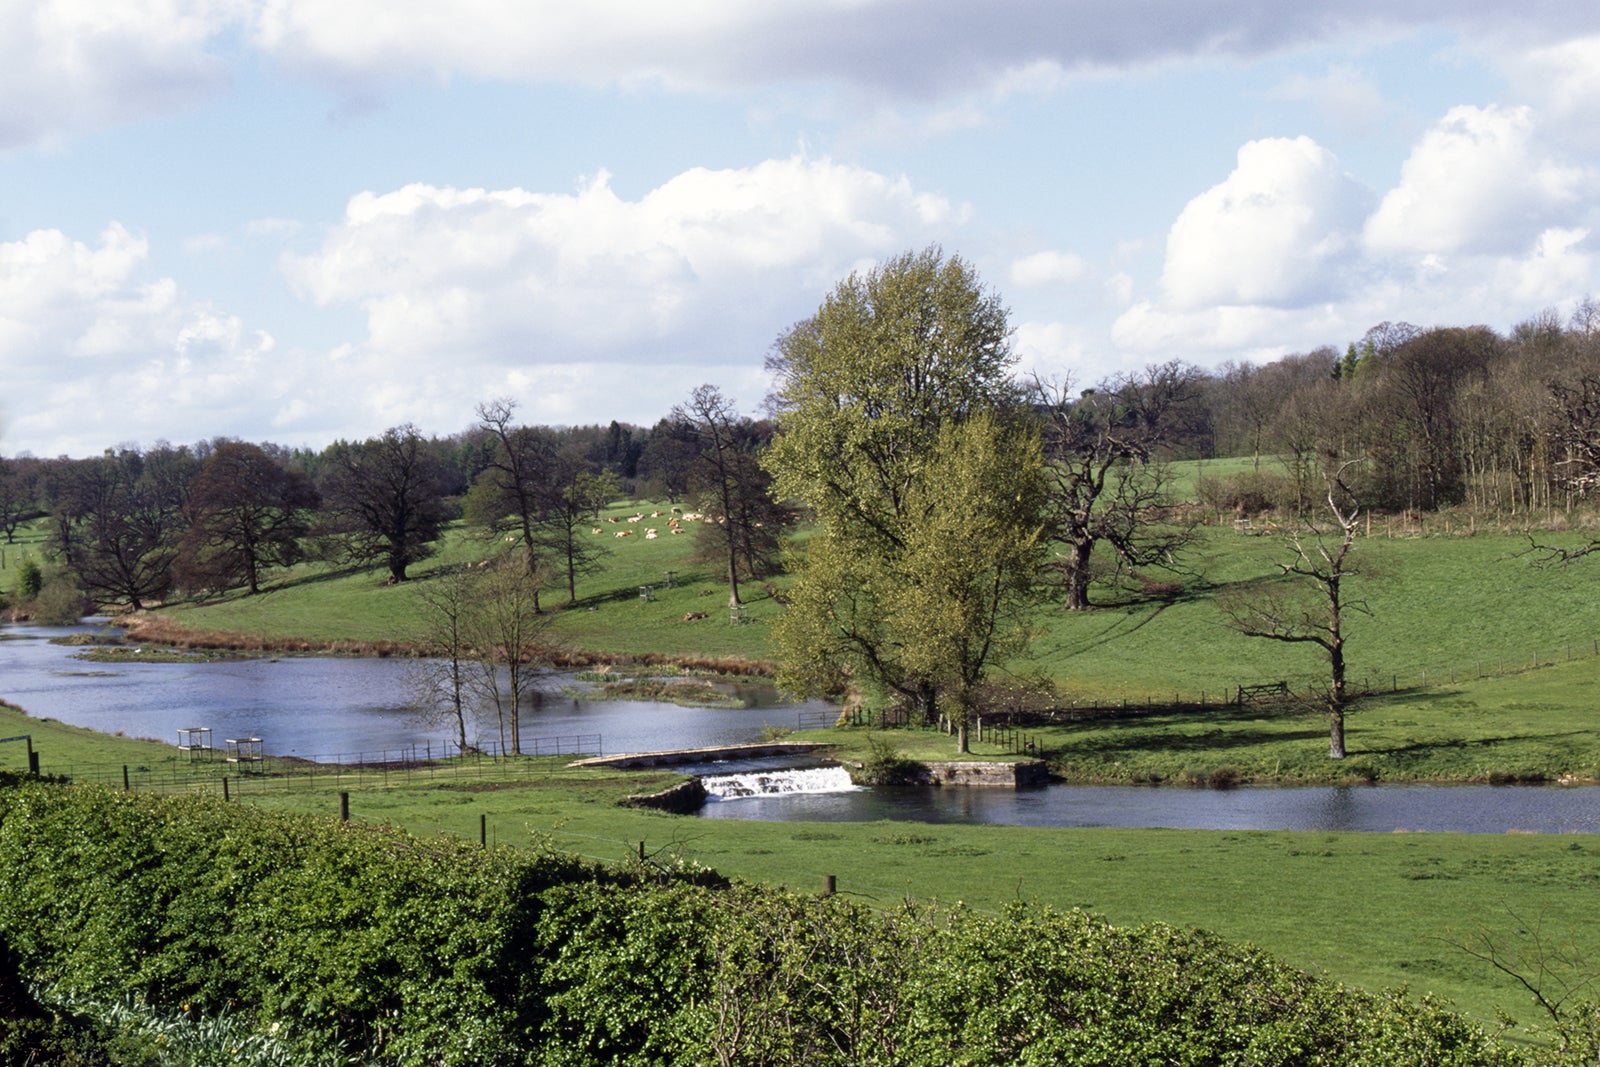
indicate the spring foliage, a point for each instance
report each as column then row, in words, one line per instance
column 411, row 951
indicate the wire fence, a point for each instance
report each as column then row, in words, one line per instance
column 209, row 770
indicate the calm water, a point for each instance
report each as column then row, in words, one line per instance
column 329, row 708
column 341, row 708
column 1380, row 809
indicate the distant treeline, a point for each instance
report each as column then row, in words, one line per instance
column 135, row 526
column 1440, row 418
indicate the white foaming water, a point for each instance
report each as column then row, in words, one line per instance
column 779, row 783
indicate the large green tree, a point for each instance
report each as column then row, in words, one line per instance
column 896, row 418
column 250, row 514
column 385, row 499
column 115, row 522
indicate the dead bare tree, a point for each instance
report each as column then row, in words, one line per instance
column 1311, row 606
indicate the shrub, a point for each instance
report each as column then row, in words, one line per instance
column 30, row 579
column 1248, row 493
column 885, row 765
column 411, row 951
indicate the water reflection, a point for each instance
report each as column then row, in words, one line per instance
column 1379, row 809
column 320, row 708
column 348, row 708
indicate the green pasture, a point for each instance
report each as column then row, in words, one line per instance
column 1441, row 607
column 1479, row 666
column 1373, row 910
column 29, row 545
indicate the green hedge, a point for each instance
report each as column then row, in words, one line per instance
column 409, row 948
column 413, row 951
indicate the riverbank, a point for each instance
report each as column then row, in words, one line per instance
column 1373, row 910
column 1532, row 726
column 156, row 629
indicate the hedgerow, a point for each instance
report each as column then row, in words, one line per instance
column 404, row 950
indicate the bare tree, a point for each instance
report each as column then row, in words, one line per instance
column 443, row 679
column 514, row 491
column 1108, row 486
column 742, row 521
column 1312, row 606
column 1555, row 971
column 577, row 493
column 116, row 526
column 507, row 631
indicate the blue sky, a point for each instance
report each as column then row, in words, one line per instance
column 296, row 221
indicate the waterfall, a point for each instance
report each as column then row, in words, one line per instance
column 779, row 783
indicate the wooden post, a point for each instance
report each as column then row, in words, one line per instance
column 483, row 830
column 641, row 851
column 830, row 885
column 33, row 762
column 344, row 807
column 125, row 787
column 224, row 788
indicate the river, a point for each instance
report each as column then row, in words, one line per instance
column 341, row 709
column 336, row 709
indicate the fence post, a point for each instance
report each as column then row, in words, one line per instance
column 483, row 830
column 125, row 787
column 829, row 885
column 224, row 788
column 344, row 806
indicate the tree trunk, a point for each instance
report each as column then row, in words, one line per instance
column 961, row 737
column 1336, row 700
column 1335, row 728
column 1078, row 575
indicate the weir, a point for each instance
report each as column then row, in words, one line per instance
column 783, row 782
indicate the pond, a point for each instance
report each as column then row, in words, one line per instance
column 331, row 709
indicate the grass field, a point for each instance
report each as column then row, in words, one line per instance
column 1375, row 910
column 1495, row 662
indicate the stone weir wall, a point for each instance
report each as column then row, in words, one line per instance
column 1021, row 775
column 705, row 755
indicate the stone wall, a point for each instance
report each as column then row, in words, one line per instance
column 1024, row 774
column 681, row 799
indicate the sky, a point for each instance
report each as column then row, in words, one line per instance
column 300, row 221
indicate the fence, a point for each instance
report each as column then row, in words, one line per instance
column 426, row 762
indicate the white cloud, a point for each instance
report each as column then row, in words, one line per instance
column 1560, row 269
column 67, row 65
column 511, row 275
column 1278, row 231
column 927, row 48
column 1345, row 96
column 1564, row 78
column 95, row 351
column 1482, row 180
column 472, row 292
column 1049, row 268
column 72, row 64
